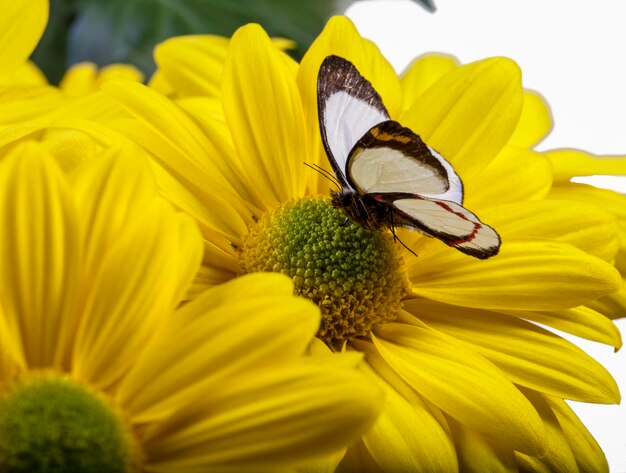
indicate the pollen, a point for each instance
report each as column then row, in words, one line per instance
column 355, row 275
column 52, row 424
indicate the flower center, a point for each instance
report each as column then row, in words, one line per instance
column 51, row 424
column 356, row 276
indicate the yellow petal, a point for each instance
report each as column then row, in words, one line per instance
column 29, row 104
column 80, row 79
column 469, row 114
column 251, row 321
column 39, row 258
column 527, row 275
column 134, row 289
column 358, row 458
column 106, row 201
column 535, row 122
column 27, row 74
column 171, row 135
column 612, row 306
column 478, row 453
column 120, row 71
column 325, row 465
column 529, row 355
column 423, row 72
column 587, row 452
column 460, row 382
column 514, row 175
column 585, row 226
column 568, row 163
column 406, row 436
column 192, row 64
column 581, row 321
column 21, row 25
column 557, row 456
column 265, row 420
column 264, row 112
column 341, row 38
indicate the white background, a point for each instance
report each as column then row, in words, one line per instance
column 571, row 51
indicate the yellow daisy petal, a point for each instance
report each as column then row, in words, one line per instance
column 558, row 456
column 39, row 261
column 568, row 163
column 79, row 79
column 529, row 355
column 584, row 226
column 132, row 292
column 265, row 420
column 85, row 78
column 27, row 74
column 248, row 328
column 479, row 453
column 537, row 275
column 460, row 382
column 21, row 25
column 535, row 121
column 31, row 104
column 406, row 435
column 469, row 114
column 613, row 305
column 101, row 187
column 423, row 72
column 192, row 64
column 341, row 38
column 514, row 175
column 264, row 112
column 581, row 321
column 166, row 131
column 120, row 72
column 587, row 452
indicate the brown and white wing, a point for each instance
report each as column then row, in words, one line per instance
column 391, row 158
column 348, row 106
column 447, row 221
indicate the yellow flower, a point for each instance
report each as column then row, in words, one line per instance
column 472, row 384
column 100, row 372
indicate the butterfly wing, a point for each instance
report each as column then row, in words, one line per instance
column 348, row 106
column 445, row 220
column 391, row 158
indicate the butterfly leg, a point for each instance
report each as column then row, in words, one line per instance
column 392, row 227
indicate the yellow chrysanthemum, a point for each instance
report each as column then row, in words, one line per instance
column 100, row 372
column 471, row 383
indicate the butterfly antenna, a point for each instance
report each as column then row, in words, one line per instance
column 324, row 173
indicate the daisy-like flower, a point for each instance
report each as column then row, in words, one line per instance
column 99, row 370
column 472, row 384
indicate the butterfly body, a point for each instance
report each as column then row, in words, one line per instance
column 389, row 177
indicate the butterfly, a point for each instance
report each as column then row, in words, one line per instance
column 388, row 176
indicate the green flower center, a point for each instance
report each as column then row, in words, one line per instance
column 356, row 276
column 51, row 424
